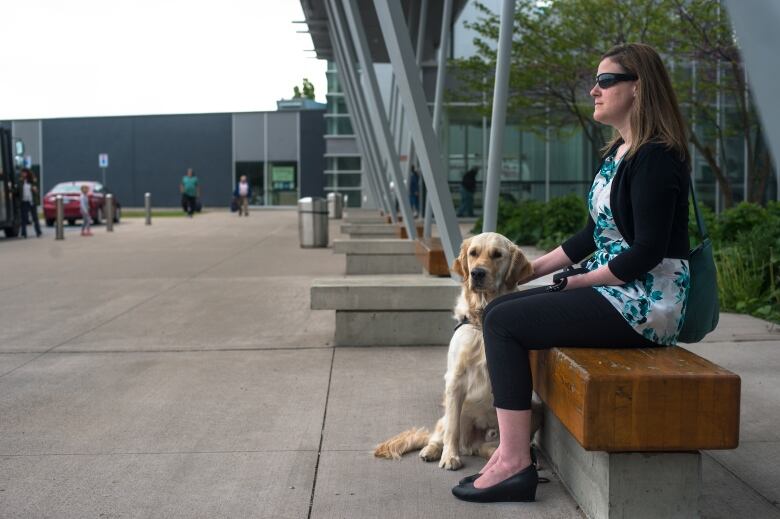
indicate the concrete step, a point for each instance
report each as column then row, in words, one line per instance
column 401, row 310
column 369, row 230
column 378, row 256
column 384, row 292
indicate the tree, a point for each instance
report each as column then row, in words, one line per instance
column 556, row 49
column 308, row 90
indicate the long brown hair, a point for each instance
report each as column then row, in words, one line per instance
column 655, row 115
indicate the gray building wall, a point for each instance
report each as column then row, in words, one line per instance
column 152, row 153
column 312, row 153
column 146, row 154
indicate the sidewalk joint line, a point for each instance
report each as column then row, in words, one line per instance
column 736, row 476
column 322, row 436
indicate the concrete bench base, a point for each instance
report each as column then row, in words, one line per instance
column 382, row 328
column 378, row 256
column 402, row 310
column 368, row 230
column 623, row 485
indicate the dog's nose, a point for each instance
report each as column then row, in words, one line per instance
column 478, row 274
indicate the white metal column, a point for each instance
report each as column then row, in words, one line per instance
column 372, row 166
column 399, row 48
column 755, row 23
column 352, row 90
column 438, row 99
column 380, row 119
column 498, row 119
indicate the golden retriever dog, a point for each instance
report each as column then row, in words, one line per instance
column 490, row 265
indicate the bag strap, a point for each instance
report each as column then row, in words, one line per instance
column 699, row 220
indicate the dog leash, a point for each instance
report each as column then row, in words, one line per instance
column 560, row 279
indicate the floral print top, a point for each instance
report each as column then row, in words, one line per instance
column 653, row 304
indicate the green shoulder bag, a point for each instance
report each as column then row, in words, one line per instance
column 703, row 309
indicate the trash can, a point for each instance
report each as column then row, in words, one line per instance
column 335, row 206
column 313, row 222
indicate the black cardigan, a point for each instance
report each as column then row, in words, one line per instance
column 649, row 201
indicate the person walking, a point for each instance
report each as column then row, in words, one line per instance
column 243, row 193
column 414, row 191
column 468, row 186
column 631, row 294
column 86, row 218
column 190, row 191
column 29, row 194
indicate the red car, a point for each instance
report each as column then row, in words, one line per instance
column 71, row 191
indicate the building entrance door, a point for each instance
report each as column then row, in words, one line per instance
column 256, row 178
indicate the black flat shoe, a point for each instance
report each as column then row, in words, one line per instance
column 518, row 488
column 471, row 478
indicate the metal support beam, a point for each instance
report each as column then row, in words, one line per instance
column 370, row 129
column 755, row 23
column 422, row 19
column 399, row 48
column 360, row 42
column 438, row 100
column 374, row 171
column 498, row 119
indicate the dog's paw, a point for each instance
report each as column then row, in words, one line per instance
column 450, row 462
column 431, row 452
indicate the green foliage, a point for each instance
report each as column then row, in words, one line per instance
column 738, row 220
column 520, row 222
column 308, row 90
column 530, row 221
column 710, row 222
column 564, row 215
column 552, row 241
column 556, row 49
column 748, row 260
column 525, row 224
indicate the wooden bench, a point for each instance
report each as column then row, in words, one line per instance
column 623, row 427
column 431, row 254
column 400, row 230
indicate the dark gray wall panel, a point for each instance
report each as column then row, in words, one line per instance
column 282, row 141
column 165, row 146
column 312, row 153
column 249, row 137
column 71, row 148
column 149, row 153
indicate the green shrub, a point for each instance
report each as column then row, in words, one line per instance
column 520, row 222
column 739, row 219
column 524, row 225
column 552, row 241
column 564, row 215
column 740, row 279
column 710, row 222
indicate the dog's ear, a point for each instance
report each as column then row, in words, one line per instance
column 461, row 265
column 520, row 268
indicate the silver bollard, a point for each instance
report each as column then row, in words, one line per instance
column 109, row 206
column 60, row 234
column 148, row 208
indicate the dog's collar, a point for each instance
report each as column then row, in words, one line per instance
column 463, row 321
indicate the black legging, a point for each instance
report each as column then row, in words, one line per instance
column 522, row 321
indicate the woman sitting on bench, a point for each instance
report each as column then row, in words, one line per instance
column 634, row 291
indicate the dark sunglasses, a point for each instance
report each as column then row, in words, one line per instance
column 608, row 79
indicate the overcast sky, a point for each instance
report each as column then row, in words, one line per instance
column 71, row 58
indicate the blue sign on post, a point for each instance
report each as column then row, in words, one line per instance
column 103, row 160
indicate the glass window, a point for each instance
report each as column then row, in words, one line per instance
column 349, row 179
column 339, row 126
column 343, row 163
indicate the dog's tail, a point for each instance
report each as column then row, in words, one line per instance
column 400, row 444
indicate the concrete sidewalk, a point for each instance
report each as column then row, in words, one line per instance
column 177, row 371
